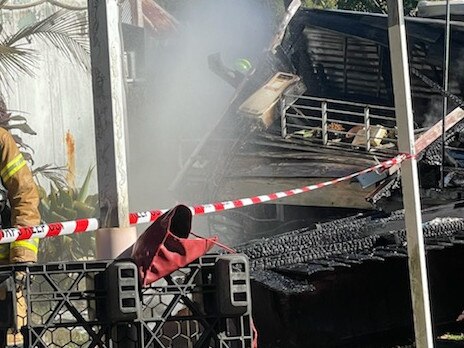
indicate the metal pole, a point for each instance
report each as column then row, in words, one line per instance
column 109, row 99
column 325, row 133
column 409, row 177
column 445, row 87
column 367, row 125
column 283, row 117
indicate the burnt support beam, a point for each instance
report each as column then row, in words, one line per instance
column 434, row 132
column 409, row 177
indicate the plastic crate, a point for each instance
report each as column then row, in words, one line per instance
column 99, row 304
column 59, row 298
column 188, row 308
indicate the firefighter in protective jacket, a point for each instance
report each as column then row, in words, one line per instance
column 23, row 197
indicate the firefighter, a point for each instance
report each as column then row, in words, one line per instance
column 23, row 200
column 242, row 65
column 234, row 76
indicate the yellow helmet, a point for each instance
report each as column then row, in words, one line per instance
column 242, row 65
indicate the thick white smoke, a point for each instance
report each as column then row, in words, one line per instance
column 183, row 98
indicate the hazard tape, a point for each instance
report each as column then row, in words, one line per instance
column 85, row 225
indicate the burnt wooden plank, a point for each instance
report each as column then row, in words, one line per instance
column 357, row 78
column 435, row 131
column 326, row 49
column 363, row 69
column 313, row 147
column 365, row 73
column 356, row 56
column 246, row 167
column 307, row 157
column 295, row 144
column 322, row 57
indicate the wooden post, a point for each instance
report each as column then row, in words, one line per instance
column 137, row 13
column 409, row 177
column 110, row 118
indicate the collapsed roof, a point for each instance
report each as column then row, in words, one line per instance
column 319, row 105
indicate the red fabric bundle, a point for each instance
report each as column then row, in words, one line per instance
column 165, row 247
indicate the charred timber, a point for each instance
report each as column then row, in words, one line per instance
column 347, row 242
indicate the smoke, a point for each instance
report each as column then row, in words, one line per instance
column 458, row 65
column 434, row 112
column 183, row 99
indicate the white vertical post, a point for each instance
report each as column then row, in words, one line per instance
column 409, row 177
column 367, row 124
column 283, row 117
column 109, row 101
column 137, row 13
column 325, row 134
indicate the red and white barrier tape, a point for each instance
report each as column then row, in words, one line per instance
column 136, row 218
column 85, row 225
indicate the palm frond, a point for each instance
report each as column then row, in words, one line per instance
column 3, row 3
column 14, row 60
column 21, row 144
column 23, row 127
column 68, row 32
column 55, row 174
column 65, row 30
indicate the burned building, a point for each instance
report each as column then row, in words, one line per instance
column 320, row 105
column 332, row 264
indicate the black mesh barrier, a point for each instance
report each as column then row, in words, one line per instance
column 100, row 304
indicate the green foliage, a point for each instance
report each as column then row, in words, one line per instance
column 453, row 337
column 50, row 172
column 323, row 4
column 65, row 203
column 374, row 6
column 67, row 31
column 64, row 30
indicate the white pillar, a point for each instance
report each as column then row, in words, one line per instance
column 108, row 80
column 409, row 177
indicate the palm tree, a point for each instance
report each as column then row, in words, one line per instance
column 65, row 30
